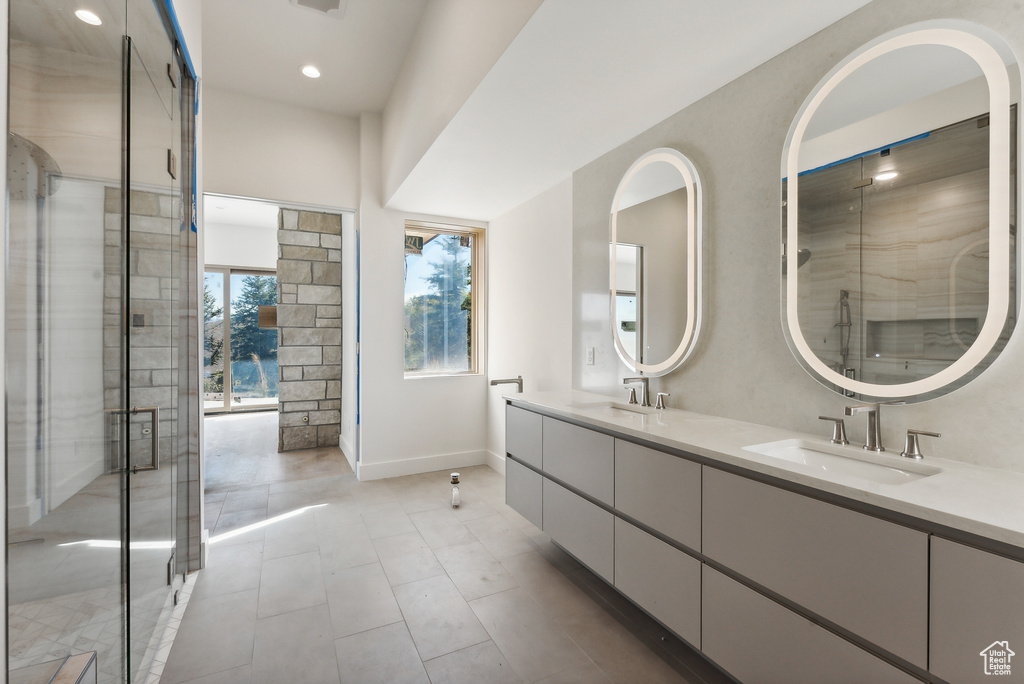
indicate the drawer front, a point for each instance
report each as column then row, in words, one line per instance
column 659, row 490
column 757, row 640
column 523, row 435
column 524, row 491
column 583, row 529
column 581, row 458
column 661, row 579
column 864, row 574
column 977, row 602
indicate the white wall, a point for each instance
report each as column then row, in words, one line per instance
column 456, row 44
column 529, row 304
column 742, row 367
column 407, row 425
column 245, row 246
column 347, row 436
column 268, row 150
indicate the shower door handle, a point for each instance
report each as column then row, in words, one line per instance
column 154, row 412
column 116, row 456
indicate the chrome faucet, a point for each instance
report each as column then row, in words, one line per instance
column 872, row 442
column 517, row 381
column 645, row 388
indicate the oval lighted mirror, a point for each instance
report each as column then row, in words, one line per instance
column 899, row 203
column 655, row 262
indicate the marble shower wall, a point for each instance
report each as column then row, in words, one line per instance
column 309, row 329
column 912, row 254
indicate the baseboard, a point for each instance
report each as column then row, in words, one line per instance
column 423, row 464
column 496, row 462
column 349, row 450
column 23, row 516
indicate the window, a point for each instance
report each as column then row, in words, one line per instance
column 443, row 272
column 235, row 333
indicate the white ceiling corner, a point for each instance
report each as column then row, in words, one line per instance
column 584, row 76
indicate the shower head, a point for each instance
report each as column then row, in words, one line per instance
column 27, row 160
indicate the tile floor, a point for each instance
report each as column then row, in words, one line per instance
column 65, row 588
column 316, row 577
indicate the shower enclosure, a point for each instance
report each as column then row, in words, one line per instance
column 101, row 376
column 894, row 282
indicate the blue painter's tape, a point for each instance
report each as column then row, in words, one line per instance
column 864, row 154
column 169, row 7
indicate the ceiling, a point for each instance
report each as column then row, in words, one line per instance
column 257, row 47
column 580, row 78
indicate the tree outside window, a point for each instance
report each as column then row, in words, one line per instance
column 253, row 349
column 439, row 310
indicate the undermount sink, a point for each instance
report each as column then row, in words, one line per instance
column 617, row 406
column 847, row 461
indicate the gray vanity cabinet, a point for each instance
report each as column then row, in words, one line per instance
column 660, row 578
column 582, row 528
column 659, row 490
column 977, row 610
column 757, row 640
column 524, row 491
column 867, row 575
column 581, row 458
column 523, row 438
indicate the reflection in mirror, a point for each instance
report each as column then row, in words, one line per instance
column 897, row 178
column 655, row 262
column 629, row 297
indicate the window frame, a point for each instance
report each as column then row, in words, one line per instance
column 478, row 291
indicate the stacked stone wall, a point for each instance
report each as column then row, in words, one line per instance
column 309, row 329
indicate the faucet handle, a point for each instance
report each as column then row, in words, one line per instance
column 838, row 430
column 660, row 403
column 632, row 395
column 912, row 449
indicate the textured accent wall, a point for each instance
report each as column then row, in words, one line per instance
column 309, row 329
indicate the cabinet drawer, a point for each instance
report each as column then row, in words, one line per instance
column 977, row 600
column 661, row 579
column 524, row 491
column 757, row 640
column 581, row 458
column 659, row 490
column 523, row 435
column 867, row 575
column 583, row 529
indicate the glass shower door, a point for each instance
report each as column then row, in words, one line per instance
column 154, row 300
column 63, row 321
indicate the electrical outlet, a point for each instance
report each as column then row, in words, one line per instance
column 591, row 356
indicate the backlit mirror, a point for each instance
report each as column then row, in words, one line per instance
column 655, row 262
column 899, row 204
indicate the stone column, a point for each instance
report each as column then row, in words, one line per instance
column 309, row 329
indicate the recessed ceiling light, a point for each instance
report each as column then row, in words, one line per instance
column 88, row 17
column 886, row 175
column 311, row 71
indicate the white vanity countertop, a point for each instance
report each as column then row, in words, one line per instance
column 974, row 499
